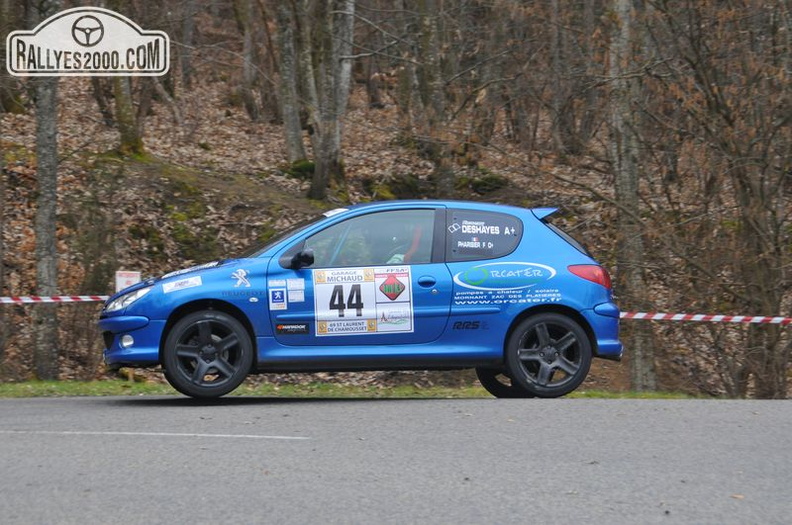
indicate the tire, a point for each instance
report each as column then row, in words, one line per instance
column 207, row 354
column 497, row 383
column 549, row 355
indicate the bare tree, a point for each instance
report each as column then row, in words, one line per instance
column 245, row 15
column 126, row 118
column 188, row 40
column 624, row 156
column 325, row 34
column 290, row 101
column 3, row 323
column 45, row 320
column 727, row 71
column 10, row 89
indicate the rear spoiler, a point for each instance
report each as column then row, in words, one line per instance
column 541, row 213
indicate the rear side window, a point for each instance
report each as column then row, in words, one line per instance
column 476, row 235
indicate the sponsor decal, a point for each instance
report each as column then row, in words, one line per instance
column 182, row 284
column 350, row 327
column 241, row 278
column 87, row 41
column 467, row 325
column 394, row 318
column 392, row 287
column 504, row 276
column 363, row 300
column 296, row 289
column 352, row 275
column 239, row 293
column 506, row 297
column 480, row 228
column 291, row 329
column 277, row 299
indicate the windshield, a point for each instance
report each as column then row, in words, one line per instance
column 259, row 248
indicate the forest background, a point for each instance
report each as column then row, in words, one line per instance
column 660, row 128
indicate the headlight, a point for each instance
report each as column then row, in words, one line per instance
column 126, row 299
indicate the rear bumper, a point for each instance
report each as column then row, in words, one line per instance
column 604, row 321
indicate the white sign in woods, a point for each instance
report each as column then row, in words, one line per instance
column 125, row 279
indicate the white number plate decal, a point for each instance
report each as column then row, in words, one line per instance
column 353, row 301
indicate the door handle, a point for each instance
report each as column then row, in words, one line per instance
column 426, row 281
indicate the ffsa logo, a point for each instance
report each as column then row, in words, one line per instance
column 87, row 41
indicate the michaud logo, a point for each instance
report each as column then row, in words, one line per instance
column 87, row 41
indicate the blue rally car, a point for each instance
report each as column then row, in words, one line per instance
column 383, row 286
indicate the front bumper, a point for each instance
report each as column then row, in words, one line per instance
column 141, row 337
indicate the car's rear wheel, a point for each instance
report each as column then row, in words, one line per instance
column 548, row 355
column 207, row 354
column 499, row 384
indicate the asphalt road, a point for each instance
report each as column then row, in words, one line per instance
column 259, row 460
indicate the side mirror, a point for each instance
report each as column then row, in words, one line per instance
column 302, row 259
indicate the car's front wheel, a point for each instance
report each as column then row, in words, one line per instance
column 548, row 355
column 207, row 354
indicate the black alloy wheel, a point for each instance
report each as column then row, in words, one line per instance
column 207, row 354
column 548, row 355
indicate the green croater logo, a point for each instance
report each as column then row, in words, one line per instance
column 504, row 276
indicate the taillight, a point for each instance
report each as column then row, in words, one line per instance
column 592, row 272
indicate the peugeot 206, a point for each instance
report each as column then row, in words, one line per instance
column 398, row 285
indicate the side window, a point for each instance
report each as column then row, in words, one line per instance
column 481, row 235
column 391, row 237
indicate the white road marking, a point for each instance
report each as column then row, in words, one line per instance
column 148, row 434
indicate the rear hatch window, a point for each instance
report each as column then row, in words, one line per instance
column 568, row 238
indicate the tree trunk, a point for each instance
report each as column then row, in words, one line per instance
column 428, row 99
column 244, row 14
column 343, row 34
column 290, row 103
column 325, row 124
column 3, row 323
column 10, row 88
column 331, row 70
column 45, row 320
column 557, row 62
column 188, row 33
column 588, row 120
column 100, row 92
column 131, row 142
column 623, row 149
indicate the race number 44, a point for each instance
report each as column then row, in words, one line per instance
column 353, row 301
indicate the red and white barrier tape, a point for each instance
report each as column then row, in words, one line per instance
column 707, row 318
column 35, row 299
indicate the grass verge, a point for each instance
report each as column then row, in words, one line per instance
column 312, row 390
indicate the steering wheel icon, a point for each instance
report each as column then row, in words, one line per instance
column 87, row 31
